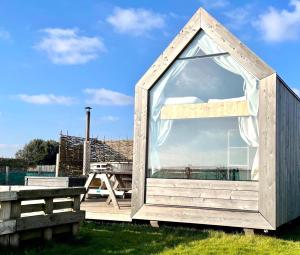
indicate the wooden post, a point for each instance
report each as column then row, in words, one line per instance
column 76, row 204
column 154, row 223
column 5, row 215
column 48, row 210
column 15, row 213
column 75, row 228
column 249, row 231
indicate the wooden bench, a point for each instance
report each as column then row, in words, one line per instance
column 30, row 212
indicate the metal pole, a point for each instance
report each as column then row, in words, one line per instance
column 88, row 122
column 87, row 145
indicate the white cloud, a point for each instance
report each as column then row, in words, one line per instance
column 135, row 21
column 297, row 91
column 110, row 118
column 66, row 46
column 8, row 146
column 4, row 34
column 107, row 97
column 214, row 4
column 44, row 99
column 241, row 16
column 280, row 25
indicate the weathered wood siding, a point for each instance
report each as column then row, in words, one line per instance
column 267, row 149
column 288, row 155
column 241, row 219
column 234, row 195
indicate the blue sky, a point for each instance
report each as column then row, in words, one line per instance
column 58, row 56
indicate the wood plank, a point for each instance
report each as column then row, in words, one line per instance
column 7, row 227
column 204, row 184
column 47, row 181
column 203, row 193
column 229, row 43
column 139, row 149
column 205, row 110
column 87, row 185
column 51, row 192
column 5, row 210
column 203, row 202
column 96, row 209
column 8, row 195
column 287, row 154
column 203, row 216
column 27, row 208
column 55, row 219
column 267, row 150
column 112, row 194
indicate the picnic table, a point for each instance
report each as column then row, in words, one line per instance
column 113, row 181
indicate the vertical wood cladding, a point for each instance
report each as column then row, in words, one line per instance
column 288, row 155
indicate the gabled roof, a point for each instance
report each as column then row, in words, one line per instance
column 201, row 20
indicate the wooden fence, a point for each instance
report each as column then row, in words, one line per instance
column 71, row 153
column 31, row 212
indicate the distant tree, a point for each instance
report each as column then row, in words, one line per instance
column 39, row 152
column 13, row 163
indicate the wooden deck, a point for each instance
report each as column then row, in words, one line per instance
column 97, row 209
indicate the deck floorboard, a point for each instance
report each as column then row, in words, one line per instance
column 97, row 209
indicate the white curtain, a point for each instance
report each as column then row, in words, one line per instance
column 248, row 126
column 160, row 129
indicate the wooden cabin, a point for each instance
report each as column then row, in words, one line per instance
column 216, row 137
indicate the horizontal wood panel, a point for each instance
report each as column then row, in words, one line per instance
column 47, row 182
column 205, row 110
column 50, row 220
column 203, row 202
column 50, row 192
column 204, row 184
column 203, row 216
column 203, row 193
column 7, row 227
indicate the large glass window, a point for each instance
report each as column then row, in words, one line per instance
column 203, row 117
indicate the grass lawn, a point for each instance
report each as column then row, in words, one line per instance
column 140, row 239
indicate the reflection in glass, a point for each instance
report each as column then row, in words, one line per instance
column 214, row 147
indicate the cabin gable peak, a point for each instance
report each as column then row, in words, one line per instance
column 202, row 20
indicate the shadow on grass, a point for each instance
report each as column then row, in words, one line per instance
column 134, row 239
column 115, row 239
column 289, row 231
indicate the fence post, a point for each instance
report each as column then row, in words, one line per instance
column 48, row 210
column 15, row 213
column 6, row 175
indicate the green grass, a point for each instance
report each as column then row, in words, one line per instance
column 141, row 239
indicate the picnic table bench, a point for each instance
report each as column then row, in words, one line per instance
column 113, row 181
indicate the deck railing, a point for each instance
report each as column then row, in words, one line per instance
column 30, row 212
